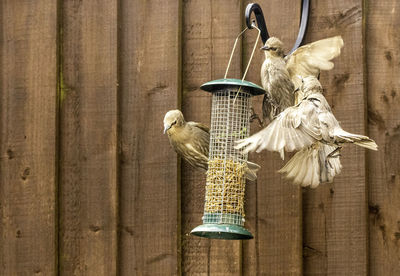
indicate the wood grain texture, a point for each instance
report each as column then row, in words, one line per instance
column 335, row 215
column 28, row 112
column 273, row 205
column 149, row 169
column 85, row 156
column 383, row 54
column 209, row 31
column 88, row 138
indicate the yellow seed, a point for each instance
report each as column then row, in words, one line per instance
column 225, row 187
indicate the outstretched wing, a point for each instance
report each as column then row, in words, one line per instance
column 313, row 165
column 293, row 129
column 311, row 58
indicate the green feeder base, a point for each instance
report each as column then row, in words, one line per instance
column 222, row 231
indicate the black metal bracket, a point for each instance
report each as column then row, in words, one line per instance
column 254, row 7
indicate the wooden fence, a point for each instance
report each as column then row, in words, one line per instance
column 90, row 186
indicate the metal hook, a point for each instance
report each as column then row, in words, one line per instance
column 305, row 11
column 254, row 7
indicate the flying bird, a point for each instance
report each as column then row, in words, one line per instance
column 310, row 128
column 281, row 76
column 191, row 141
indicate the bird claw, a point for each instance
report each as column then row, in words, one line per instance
column 335, row 153
column 254, row 116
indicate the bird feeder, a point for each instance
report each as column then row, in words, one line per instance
column 226, row 181
column 224, row 214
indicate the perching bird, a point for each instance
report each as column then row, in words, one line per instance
column 310, row 128
column 281, row 76
column 191, row 141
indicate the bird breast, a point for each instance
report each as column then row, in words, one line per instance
column 276, row 80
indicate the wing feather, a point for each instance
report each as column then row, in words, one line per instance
column 311, row 58
column 200, row 125
column 295, row 128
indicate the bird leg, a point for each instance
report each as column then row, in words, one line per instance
column 254, row 116
column 335, row 153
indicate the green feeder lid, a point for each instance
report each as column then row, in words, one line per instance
column 213, row 86
column 222, row 231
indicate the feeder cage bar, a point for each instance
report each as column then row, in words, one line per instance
column 226, row 168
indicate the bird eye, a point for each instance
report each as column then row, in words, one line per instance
column 272, row 48
column 173, row 123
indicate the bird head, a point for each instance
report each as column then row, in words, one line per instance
column 310, row 84
column 172, row 119
column 273, row 46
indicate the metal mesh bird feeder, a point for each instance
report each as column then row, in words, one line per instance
column 226, row 176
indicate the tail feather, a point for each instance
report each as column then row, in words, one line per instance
column 367, row 144
column 359, row 140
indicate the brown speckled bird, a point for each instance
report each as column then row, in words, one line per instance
column 310, row 128
column 191, row 141
column 281, row 76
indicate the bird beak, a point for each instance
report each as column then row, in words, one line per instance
column 166, row 127
column 265, row 48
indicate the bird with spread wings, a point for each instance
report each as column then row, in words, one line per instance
column 281, row 76
column 296, row 119
column 310, row 128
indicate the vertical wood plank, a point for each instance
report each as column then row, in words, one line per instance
column 149, row 181
column 383, row 56
column 273, row 205
column 88, row 134
column 28, row 108
column 335, row 215
column 209, row 31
